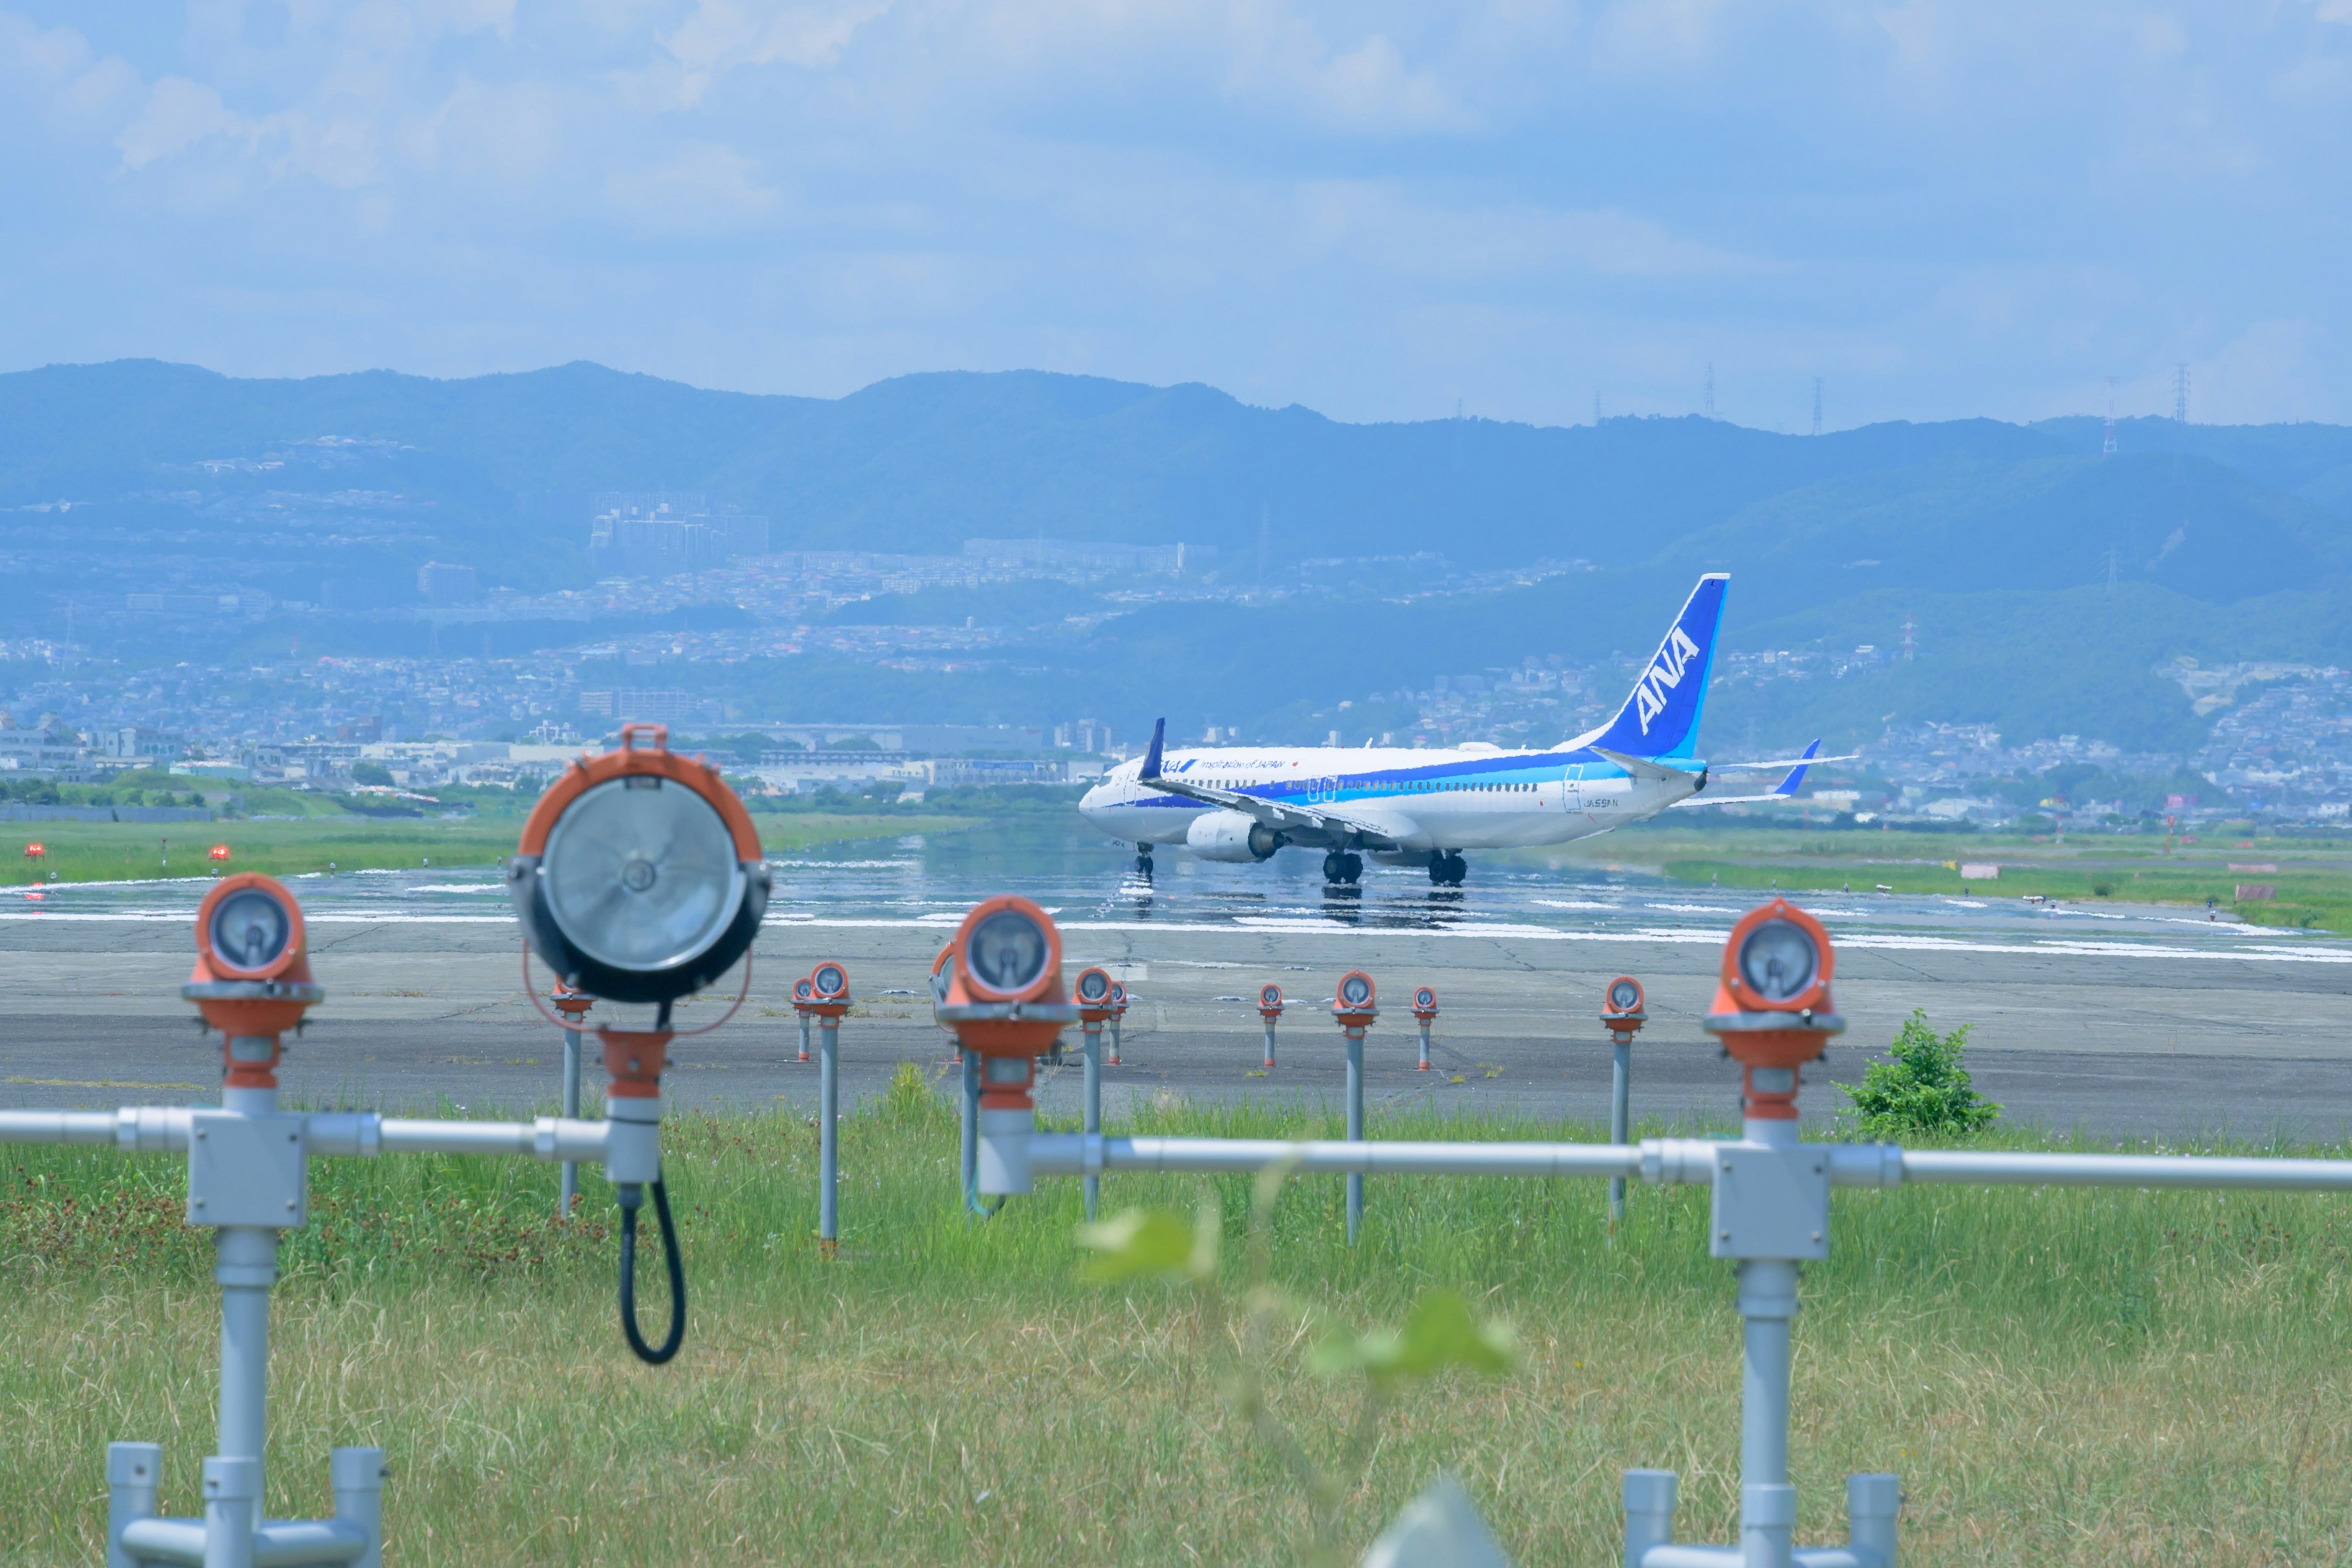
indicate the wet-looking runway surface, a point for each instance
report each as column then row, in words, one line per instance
column 2130, row 1020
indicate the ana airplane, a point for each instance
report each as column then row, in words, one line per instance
column 1415, row 808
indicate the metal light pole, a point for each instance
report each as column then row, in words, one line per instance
column 573, row 1006
column 1353, row 1008
column 1269, row 1010
column 829, row 981
column 1097, row 1004
column 1622, row 1011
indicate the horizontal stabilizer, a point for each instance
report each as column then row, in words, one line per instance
column 1786, row 788
column 1643, row 768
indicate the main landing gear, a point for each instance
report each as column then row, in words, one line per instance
column 1447, row 870
column 1143, row 859
column 1339, row 865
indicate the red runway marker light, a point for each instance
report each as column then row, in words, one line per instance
column 37, row 851
column 218, row 851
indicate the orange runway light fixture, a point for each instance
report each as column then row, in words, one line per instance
column 252, row 979
column 1622, row 1010
column 1005, row 1002
column 1772, row 1009
column 1269, row 1012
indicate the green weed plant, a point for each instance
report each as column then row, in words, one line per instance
column 1923, row 1087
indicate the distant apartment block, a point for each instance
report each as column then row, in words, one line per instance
column 134, row 743
column 1069, row 555
column 649, row 707
column 45, row 747
column 441, row 583
column 663, row 535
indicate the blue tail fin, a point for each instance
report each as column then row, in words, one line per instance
column 1150, row 769
column 1660, row 719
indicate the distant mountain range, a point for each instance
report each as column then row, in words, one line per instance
column 2043, row 580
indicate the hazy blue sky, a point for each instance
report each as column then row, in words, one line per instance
column 1942, row 208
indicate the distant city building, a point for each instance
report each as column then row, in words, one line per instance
column 649, row 707
column 47, row 747
column 663, row 535
column 1049, row 555
column 134, row 743
column 183, row 603
column 442, row 584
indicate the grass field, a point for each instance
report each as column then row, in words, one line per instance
column 2060, row 1377
column 106, row 851
column 2311, row 880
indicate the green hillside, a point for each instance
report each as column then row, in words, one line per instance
column 2044, row 581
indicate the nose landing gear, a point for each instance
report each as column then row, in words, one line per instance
column 1143, row 859
column 1340, row 866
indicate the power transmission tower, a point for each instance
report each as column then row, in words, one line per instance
column 1710, row 389
column 2181, row 393
column 1817, row 405
column 1909, row 650
column 2108, row 448
column 2114, row 555
column 1596, row 411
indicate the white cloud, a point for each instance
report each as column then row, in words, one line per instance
column 726, row 35
column 56, row 67
column 706, row 189
column 1382, row 225
column 2272, row 371
column 179, row 114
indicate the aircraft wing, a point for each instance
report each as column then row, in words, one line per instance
column 1786, row 788
column 1282, row 816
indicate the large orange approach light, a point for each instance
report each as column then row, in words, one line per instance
column 639, row 877
column 639, row 880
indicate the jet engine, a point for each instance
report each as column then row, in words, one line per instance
column 1232, row 835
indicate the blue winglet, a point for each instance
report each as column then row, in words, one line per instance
column 1151, row 757
column 1796, row 774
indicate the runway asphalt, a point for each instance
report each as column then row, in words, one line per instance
column 2150, row 1024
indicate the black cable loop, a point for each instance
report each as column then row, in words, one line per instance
column 676, row 1265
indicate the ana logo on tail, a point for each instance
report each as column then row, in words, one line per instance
column 1662, row 676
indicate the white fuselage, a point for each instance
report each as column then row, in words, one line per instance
column 1420, row 801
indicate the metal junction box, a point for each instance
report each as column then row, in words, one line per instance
column 1770, row 1202
column 246, row 1170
